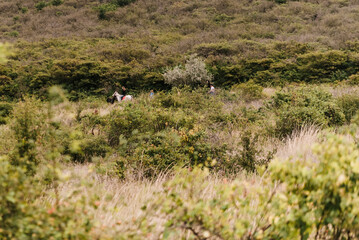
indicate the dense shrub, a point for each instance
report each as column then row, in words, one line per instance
column 193, row 74
column 122, row 3
column 319, row 197
column 5, row 110
column 354, row 79
column 349, row 104
column 250, row 156
column 22, row 217
column 296, row 199
column 26, row 127
column 84, row 148
column 57, row 2
column 305, row 107
column 40, row 5
column 249, row 91
column 103, row 9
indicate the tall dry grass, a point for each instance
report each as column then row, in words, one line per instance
column 120, row 202
column 299, row 144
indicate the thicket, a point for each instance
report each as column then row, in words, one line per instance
column 187, row 129
column 181, row 127
column 83, row 71
column 296, row 199
column 241, row 41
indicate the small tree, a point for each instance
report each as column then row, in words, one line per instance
column 193, row 74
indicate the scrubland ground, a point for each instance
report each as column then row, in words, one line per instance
column 246, row 163
column 272, row 155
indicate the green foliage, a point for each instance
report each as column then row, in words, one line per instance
column 280, row 1
column 4, row 52
column 40, row 5
column 103, row 9
column 214, row 49
column 354, row 79
column 319, row 197
column 5, row 110
column 23, row 218
column 297, row 199
column 249, row 91
column 122, row 3
column 26, row 127
column 83, row 149
column 301, row 107
column 57, row 2
column 349, row 105
column 249, row 157
column 194, row 214
column 24, row 9
column 321, row 67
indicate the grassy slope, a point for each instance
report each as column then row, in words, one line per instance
column 181, row 25
column 133, row 44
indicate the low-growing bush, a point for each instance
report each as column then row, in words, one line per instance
column 40, row 5
column 318, row 197
column 26, row 128
column 193, row 74
column 84, row 148
column 5, row 110
column 23, row 217
column 354, row 79
column 293, row 199
column 300, row 107
column 349, row 104
column 249, row 91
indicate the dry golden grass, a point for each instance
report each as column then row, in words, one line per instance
column 299, row 144
column 120, row 202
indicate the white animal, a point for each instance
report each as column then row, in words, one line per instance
column 119, row 96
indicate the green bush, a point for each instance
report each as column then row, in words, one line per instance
column 249, row 91
column 26, row 127
column 122, row 3
column 300, row 107
column 5, row 109
column 322, row 66
column 319, row 197
column 84, row 148
column 22, row 217
column 57, row 2
column 295, row 199
column 214, row 49
column 103, row 9
column 40, row 5
column 354, row 79
column 349, row 105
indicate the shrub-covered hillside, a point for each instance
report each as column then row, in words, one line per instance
column 94, row 46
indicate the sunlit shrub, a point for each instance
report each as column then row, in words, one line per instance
column 319, row 198
column 22, row 217
column 5, row 110
column 193, row 74
column 84, row 148
column 301, row 107
column 354, row 79
column 349, row 105
column 26, row 127
column 249, row 91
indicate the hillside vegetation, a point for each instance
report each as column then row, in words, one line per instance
column 94, row 46
column 270, row 153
